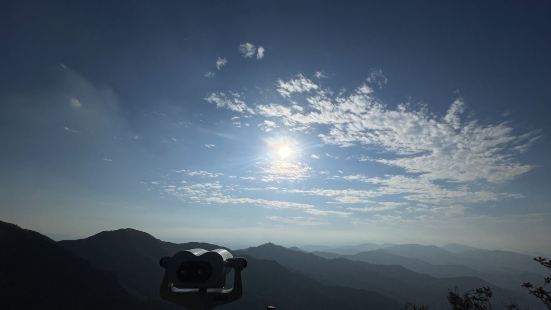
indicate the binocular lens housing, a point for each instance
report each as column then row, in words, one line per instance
column 194, row 271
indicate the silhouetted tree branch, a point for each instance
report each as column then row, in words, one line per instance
column 540, row 291
column 475, row 299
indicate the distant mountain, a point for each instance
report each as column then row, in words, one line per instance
column 381, row 257
column 458, row 248
column 479, row 259
column 392, row 281
column 486, row 266
column 133, row 256
column 266, row 283
column 37, row 273
column 345, row 250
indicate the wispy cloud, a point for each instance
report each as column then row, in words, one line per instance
column 441, row 148
column 68, row 129
column 230, row 101
column 377, row 77
column 215, row 193
column 267, row 125
column 75, row 103
column 247, row 50
column 260, row 52
column 298, row 84
column 320, row 75
column 298, row 220
column 328, row 212
column 221, row 62
column 201, row 173
column 209, row 146
column 283, row 170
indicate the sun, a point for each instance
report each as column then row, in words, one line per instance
column 284, row 151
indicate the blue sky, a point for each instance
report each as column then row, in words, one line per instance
column 305, row 122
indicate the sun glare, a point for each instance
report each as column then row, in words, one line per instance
column 284, row 151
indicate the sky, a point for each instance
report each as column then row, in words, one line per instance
column 295, row 122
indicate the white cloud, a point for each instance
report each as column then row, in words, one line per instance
column 371, row 209
column 209, row 74
column 267, row 125
column 209, row 146
column 314, row 156
column 74, row 102
column 411, row 189
column 248, row 50
column 327, row 212
column 107, row 159
column 213, row 193
column 320, row 75
column 298, row 220
column 260, row 52
column 68, row 129
column 376, row 77
column 201, row 173
column 299, row 84
column 232, row 102
column 283, row 170
column 221, row 62
column 442, row 148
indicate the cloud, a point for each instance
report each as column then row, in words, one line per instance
column 209, row 146
column 299, row 84
column 314, row 156
column 320, row 75
column 247, row 50
column 221, row 62
column 376, row 77
column 327, row 212
column 107, row 159
column 232, row 102
column 209, row 74
column 283, row 170
column 371, row 209
column 441, row 148
column 200, row 173
column 298, row 220
column 260, row 52
column 214, row 193
column 410, row 189
column 445, row 162
column 70, row 130
column 267, row 125
column 75, row 103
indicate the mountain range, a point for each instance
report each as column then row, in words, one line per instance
column 119, row 269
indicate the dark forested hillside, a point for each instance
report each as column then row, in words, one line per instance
column 37, row 273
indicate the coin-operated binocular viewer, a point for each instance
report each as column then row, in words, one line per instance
column 196, row 278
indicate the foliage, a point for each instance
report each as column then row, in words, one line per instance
column 475, row 299
column 540, row 292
